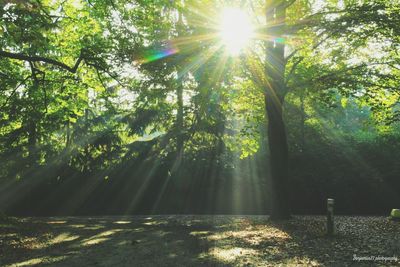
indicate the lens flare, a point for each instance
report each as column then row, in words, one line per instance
column 155, row 55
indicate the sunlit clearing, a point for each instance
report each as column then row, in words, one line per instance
column 235, row 29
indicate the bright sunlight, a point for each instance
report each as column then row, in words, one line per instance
column 236, row 30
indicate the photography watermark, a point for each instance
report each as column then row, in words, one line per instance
column 375, row 258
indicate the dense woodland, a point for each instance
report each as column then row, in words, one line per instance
column 136, row 107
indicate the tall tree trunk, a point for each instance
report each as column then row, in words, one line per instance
column 68, row 135
column 87, row 164
column 32, row 119
column 32, row 139
column 303, row 121
column 275, row 92
column 179, row 121
column 179, row 116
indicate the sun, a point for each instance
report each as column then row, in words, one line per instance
column 235, row 30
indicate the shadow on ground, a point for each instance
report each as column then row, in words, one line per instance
column 195, row 241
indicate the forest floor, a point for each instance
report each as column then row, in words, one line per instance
column 182, row 240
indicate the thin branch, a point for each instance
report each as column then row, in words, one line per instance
column 339, row 72
column 13, row 92
column 290, row 3
column 293, row 68
column 104, row 70
column 314, row 46
column 101, row 79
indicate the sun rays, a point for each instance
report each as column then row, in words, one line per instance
column 226, row 35
column 225, row 40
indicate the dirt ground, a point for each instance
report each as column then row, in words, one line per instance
column 198, row 241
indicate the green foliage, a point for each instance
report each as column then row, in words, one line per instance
column 135, row 60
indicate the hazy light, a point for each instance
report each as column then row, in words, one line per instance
column 236, row 30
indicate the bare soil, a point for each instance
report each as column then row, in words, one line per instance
column 182, row 240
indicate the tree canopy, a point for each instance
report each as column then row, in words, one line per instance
column 132, row 97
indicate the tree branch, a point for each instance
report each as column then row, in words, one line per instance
column 20, row 56
column 294, row 66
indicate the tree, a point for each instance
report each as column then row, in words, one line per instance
column 346, row 28
column 275, row 93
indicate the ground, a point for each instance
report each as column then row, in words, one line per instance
column 197, row 241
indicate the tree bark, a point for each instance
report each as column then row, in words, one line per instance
column 303, row 121
column 68, row 135
column 275, row 92
column 32, row 138
column 179, row 121
column 179, row 116
column 32, row 118
column 20, row 56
